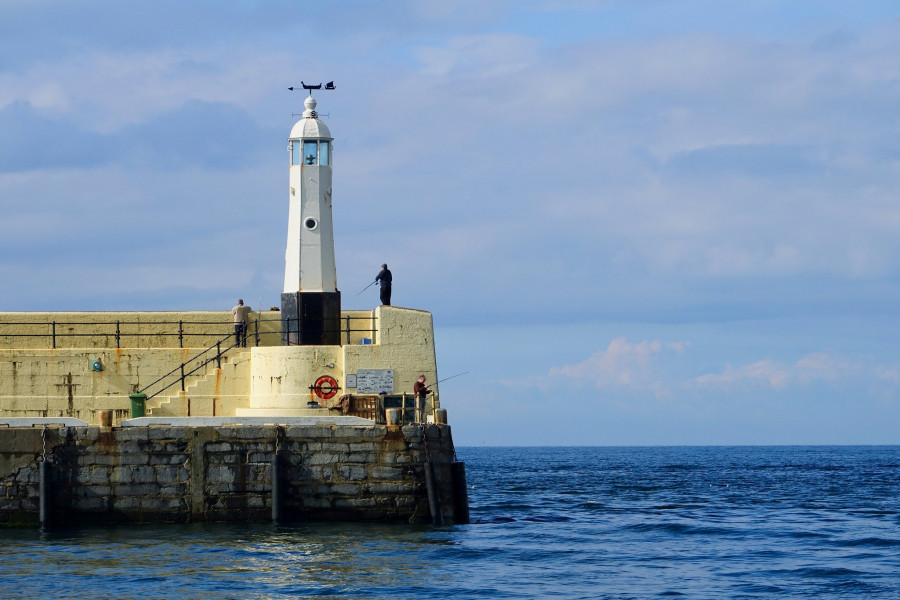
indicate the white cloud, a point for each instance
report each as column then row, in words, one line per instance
column 622, row 364
column 105, row 92
column 768, row 371
column 818, row 367
column 654, row 366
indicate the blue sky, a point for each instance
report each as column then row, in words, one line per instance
column 636, row 223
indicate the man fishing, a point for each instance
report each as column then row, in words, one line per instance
column 420, row 390
column 384, row 278
column 241, row 317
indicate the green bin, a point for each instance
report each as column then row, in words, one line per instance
column 137, row 405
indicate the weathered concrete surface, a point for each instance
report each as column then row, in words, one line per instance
column 41, row 421
column 224, row 473
column 246, row 421
column 79, row 364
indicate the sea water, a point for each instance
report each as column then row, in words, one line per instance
column 661, row 522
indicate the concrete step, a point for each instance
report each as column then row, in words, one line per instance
column 177, row 403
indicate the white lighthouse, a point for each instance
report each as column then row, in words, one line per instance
column 310, row 301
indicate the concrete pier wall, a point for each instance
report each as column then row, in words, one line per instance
column 189, row 474
column 61, row 383
column 78, row 364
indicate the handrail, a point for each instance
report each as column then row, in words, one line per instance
column 150, row 323
column 115, row 331
column 183, row 375
column 180, row 368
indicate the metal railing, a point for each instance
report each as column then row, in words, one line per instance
column 179, row 374
column 290, row 326
column 375, row 407
column 112, row 334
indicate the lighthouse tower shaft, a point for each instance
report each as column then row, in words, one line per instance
column 310, row 301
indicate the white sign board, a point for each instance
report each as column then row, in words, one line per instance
column 375, row 381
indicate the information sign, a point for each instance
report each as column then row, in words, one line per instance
column 375, row 381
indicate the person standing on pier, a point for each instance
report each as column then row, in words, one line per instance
column 384, row 278
column 420, row 392
column 241, row 317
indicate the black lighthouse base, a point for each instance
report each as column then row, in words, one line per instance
column 311, row 319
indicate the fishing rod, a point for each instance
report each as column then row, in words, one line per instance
column 446, row 378
column 368, row 286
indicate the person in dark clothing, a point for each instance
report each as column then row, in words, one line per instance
column 384, row 278
column 420, row 390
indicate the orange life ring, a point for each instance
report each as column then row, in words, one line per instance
column 325, row 387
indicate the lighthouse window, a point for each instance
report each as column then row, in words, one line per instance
column 295, row 153
column 323, row 154
column 310, row 153
column 311, row 223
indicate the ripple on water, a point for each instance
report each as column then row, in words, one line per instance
column 874, row 542
column 617, row 523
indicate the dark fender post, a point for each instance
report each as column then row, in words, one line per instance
column 434, row 500
column 277, row 515
column 460, row 494
column 277, row 491
column 45, row 476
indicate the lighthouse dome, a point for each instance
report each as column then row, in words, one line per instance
column 310, row 126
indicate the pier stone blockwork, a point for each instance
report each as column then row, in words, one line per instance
column 185, row 474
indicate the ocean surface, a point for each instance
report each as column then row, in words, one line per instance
column 662, row 522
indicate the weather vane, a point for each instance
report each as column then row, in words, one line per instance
column 328, row 86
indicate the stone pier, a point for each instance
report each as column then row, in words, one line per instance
column 224, row 473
